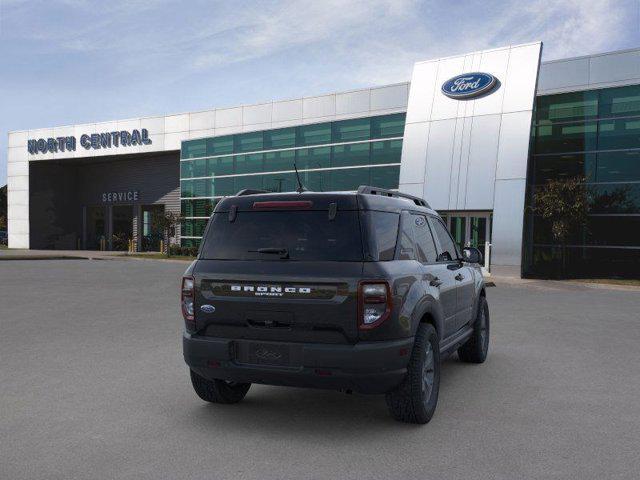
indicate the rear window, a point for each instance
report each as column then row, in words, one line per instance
column 305, row 235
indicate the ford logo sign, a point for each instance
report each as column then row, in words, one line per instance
column 208, row 308
column 469, row 85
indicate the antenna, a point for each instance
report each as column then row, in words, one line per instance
column 301, row 188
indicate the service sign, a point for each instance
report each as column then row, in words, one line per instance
column 469, row 85
column 119, row 197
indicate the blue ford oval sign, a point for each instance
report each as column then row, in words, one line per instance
column 208, row 308
column 468, row 85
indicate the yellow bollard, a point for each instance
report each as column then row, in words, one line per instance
column 161, row 246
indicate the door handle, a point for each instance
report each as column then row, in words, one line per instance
column 436, row 282
column 459, row 277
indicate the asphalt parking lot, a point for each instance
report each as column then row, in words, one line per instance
column 93, row 385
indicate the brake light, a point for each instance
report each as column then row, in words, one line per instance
column 289, row 205
column 374, row 304
column 186, row 299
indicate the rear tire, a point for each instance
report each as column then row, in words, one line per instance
column 415, row 399
column 218, row 391
column 477, row 347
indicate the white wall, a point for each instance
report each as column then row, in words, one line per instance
column 167, row 133
column 472, row 154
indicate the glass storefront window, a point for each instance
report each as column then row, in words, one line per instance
column 619, row 133
column 352, row 130
column 574, row 137
column 550, row 167
column 247, row 142
column 566, row 107
column 190, row 242
column 232, row 167
column 388, row 151
column 606, row 150
column 347, row 179
column 193, row 168
column 193, row 227
column 347, row 155
column 385, row 177
column 618, row 166
column 194, row 148
column 615, row 198
column 279, row 182
column 198, row 208
column 251, row 163
column 219, row 187
column 313, row 134
column 620, row 102
column 220, row 145
column 388, row 126
column 276, row 161
column 253, row 182
column 319, row 157
column 280, row 138
column 186, row 188
column 221, row 166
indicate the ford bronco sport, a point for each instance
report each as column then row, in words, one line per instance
column 362, row 292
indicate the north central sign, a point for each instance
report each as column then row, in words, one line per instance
column 469, row 85
column 93, row 141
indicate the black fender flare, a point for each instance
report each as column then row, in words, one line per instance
column 428, row 306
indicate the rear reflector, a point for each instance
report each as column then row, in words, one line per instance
column 294, row 204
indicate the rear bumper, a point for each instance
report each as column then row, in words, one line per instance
column 366, row 367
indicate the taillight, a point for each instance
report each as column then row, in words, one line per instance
column 374, row 302
column 186, row 299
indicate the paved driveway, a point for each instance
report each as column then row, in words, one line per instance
column 92, row 385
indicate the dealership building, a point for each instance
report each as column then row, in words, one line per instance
column 477, row 135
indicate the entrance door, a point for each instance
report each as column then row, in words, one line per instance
column 96, row 227
column 458, row 229
column 470, row 229
column 151, row 233
column 122, row 227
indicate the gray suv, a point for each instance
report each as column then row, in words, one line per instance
column 362, row 292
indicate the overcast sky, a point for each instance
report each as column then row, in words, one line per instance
column 74, row 61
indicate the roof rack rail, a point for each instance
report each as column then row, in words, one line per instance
column 366, row 189
column 250, row 191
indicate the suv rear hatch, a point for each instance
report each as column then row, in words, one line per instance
column 281, row 268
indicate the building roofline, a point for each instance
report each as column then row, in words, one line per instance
column 602, row 54
column 213, row 109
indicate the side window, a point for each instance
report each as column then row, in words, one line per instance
column 405, row 241
column 448, row 250
column 424, row 241
column 385, row 233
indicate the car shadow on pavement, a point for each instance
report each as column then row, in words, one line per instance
column 313, row 412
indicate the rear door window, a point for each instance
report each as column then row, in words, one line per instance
column 447, row 251
column 424, row 240
column 305, row 235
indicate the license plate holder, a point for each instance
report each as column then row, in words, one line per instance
column 272, row 354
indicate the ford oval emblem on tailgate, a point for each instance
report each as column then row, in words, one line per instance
column 208, row 308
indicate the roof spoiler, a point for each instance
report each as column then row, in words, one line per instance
column 367, row 190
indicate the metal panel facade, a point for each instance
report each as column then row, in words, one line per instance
column 476, row 141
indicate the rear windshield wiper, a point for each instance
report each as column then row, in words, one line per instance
column 283, row 252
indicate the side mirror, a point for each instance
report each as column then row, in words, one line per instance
column 471, row 255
